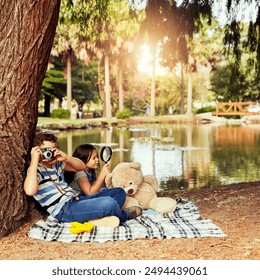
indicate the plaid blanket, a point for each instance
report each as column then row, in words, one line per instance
column 184, row 222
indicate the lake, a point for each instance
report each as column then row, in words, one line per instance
column 180, row 156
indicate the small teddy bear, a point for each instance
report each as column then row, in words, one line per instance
column 140, row 190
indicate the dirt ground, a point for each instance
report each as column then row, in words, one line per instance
column 234, row 208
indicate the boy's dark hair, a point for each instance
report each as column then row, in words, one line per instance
column 40, row 137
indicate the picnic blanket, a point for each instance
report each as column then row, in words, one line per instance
column 184, row 222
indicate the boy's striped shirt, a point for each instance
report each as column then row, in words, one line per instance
column 48, row 195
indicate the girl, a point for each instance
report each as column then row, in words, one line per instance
column 86, row 181
column 99, row 201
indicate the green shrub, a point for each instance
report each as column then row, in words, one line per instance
column 60, row 113
column 125, row 114
column 206, row 110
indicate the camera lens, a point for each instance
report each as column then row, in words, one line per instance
column 48, row 154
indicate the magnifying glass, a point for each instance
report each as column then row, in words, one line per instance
column 106, row 154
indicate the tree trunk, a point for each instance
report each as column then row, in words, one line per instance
column 108, row 111
column 120, row 90
column 27, row 32
column 47, row 105
column 182, row 89
column 152, row 112
column 189, row 97
column 69, row 81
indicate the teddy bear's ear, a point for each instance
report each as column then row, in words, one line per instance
column 108, row 180
column 135, row 165
column 152, row 180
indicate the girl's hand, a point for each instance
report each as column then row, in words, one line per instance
column 105, row 169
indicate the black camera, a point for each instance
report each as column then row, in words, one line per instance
column 47, row 153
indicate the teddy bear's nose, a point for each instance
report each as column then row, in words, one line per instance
column 130, row 192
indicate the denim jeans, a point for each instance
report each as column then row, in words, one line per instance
column 107, row 202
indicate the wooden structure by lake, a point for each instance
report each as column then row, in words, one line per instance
column 236, row 108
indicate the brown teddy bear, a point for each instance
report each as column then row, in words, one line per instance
column 140, row 190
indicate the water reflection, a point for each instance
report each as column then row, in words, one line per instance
column 181, row 156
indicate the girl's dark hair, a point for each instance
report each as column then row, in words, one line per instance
column 83, row 152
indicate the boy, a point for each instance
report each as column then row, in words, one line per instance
column 45, row 181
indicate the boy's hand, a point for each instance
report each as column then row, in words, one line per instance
column 59, row 155
column 36, row 153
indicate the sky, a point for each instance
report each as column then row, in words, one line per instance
column 244, row 11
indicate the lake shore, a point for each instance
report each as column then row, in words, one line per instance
column 64, row 124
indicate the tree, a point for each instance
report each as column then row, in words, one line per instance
column 126, row 27
column 153, row 27
column 84, row 82
column 115, row 46
column 169, row 94
column 170, row 25
column 222, row 86
column 54, row 84
column 204, row 50
column 79, row 21
column 27, row 32
column 238, row 79
column 65, row 42
column 94, row 30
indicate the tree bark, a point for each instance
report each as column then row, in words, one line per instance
column 182, row 89
column 189, row 97
column 27, row 32
column 152, row 112
column 69, row 80
column 47, row 105
column 120, row 90
column 108, row 109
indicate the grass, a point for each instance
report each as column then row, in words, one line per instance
column 55, row 123
column 43, row 121
column 46, row 120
